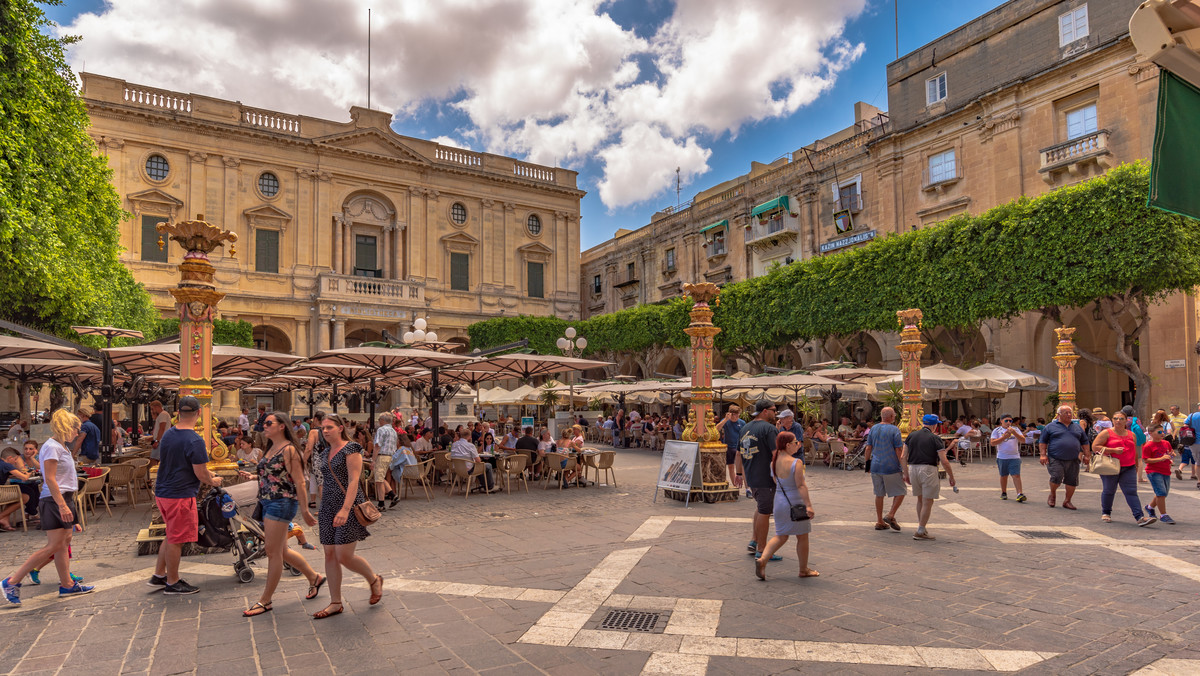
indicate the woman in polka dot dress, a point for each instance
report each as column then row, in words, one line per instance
column 340, row 530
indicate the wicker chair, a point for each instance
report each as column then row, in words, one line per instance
column 514, row 466
column 122, row 476
column 417, row 474
column 9, row 495
column 603, row 463
column 442, row 465
column 466, row 477
column 554, row 466
column 141, row 475
column 94, row 487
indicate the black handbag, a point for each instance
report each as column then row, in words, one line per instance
column 798, row 511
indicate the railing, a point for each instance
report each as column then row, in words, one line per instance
column 369, row 289
column 533, row 171
column 158, row 98
column 847, row 145
column 782, row 225
column 271, row 120
column 851, row 202
column 458, row 156
column 1076, row 149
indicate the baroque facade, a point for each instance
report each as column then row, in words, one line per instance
column 1032, row 96
column 345, row 229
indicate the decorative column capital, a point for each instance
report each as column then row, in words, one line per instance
column 231, row 162
column 198, row 157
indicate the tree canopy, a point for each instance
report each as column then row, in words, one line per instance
column 59, row 213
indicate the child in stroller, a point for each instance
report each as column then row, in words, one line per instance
column 227, row 520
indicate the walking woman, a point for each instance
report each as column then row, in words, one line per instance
column 341, row 463
column 1120, row 443
column 280, row 476
column 314, row 443
column 54, row 508
column 792, row 489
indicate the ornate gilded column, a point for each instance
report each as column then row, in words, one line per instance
column 197, row 298
column 910, row 348
column 1066, row 358
column 701, row 426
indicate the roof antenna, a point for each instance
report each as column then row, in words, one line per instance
column 678, row 187
column 368, row 57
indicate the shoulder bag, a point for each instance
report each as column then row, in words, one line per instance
column 364, row 511
column 798, row 511
column 1104, row 465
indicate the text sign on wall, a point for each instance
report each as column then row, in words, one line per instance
column 1175, row 363
column 848, row 241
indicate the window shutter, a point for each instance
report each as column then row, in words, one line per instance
column 535, row 280
column 266, row 250
column 150, row 250
column 460, row 272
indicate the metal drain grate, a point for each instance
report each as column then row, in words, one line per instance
column 1044, row 535
column 630, row 620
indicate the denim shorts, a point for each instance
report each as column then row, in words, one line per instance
column 1009, row 466
column 1159, row 483
column 282, row 509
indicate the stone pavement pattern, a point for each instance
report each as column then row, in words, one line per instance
column 518, row 584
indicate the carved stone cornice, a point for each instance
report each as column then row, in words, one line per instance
column 198, row 157
column 487, row 203
column 510, row 206
column 998, row 123
column 109, row 143
column 231, row 162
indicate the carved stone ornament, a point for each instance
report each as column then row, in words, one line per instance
column 198, row 156
column 231, row 162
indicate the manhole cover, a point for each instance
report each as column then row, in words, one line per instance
column 1045, row 535
column 1144, row 635
column 630, row 620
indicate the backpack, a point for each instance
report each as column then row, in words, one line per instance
column 1187, row 433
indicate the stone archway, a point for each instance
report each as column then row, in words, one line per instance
column 271, row 339
column 363, row 335
column 673, row 365
column 367, row 238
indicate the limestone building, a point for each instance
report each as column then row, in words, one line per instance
column 1032, row 96
column 345, row 229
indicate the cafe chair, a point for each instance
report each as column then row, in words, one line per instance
column 837, row 452
column 603, row 464
column 122, row 476
column 554, row 468
column 466, row 477
column 11, row 494
column 141, row 475
column 442, row 467
column 93, row 488
column 417, row 474
column 514, row 466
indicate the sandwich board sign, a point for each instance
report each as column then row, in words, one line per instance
column 679, row 470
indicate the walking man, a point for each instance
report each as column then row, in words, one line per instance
column 884, row 450
column 924, row 451
column 1061, row 448
column 1007, row 440
column 753, row 461
column 386, row 442
column 1188, row 451
column 731, row 428
column 182, row 467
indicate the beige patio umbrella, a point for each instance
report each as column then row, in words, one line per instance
column 227, row 360
column 1016, row 379
column 942, row 381
column 12, row 347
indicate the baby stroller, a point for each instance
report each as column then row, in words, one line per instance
column 226, row 520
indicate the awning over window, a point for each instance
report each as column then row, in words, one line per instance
column 776, row 204
column 723, row 223
column 1176, row 147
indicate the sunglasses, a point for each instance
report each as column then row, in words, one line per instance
column 268, row 423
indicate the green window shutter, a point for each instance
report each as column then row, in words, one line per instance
column 266, row 250
column 365, row 257
column 150, row 250
column 460, row 272
column 535, row 280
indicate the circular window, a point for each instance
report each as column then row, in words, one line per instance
column 458, row 213
column 268, row 184
column 534, row 225
column 157, row 167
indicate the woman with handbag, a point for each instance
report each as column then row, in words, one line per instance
column 280, row 476
column 1117, row 446
column 793, row 509
column 344, row 513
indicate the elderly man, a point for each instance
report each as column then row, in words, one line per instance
column 385, row 449
column 884, row 450
column 1061, row 447
column 924, row 451
column 463, row 449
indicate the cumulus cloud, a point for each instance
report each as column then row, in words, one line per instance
column 555, row 81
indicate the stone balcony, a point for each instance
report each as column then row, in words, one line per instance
column 352, row 288
column 1073, row 156
column 771, row 231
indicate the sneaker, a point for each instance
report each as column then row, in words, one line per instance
column 1166, row 519
column 923, row 536
column 308, row 545
column 1004, row 496
column 12, row 592
column 1149, row 510
column 752, row 547
column 1146, row 520
column 33, row 577
column 77, row 590
column 157, row 581
column 1021, row 497
column 774, row 557
column 180, row 588
column 395, row 500
column 1179, row 474
column 76, row 578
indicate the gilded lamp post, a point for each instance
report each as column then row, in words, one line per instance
column 701, row 425
column 197, row 298
column 1066, row 358
column 910, row 348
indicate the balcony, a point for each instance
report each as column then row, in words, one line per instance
column 775, row 228
column 1073, row 156
column 369, row 290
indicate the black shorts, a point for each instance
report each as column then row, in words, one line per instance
column 731, row 456
column 765, row 497
column 50, row 516
column 1063, row 471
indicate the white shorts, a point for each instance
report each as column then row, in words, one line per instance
column 925, row 481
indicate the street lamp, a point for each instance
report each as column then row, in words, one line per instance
column 416, row 337
column 571, row 347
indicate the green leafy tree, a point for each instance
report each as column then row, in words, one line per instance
column 59, row 212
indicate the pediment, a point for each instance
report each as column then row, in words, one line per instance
column 155, row 201
column 460, row 238
column 372, row 142
column 536, row 249
column 267, row 215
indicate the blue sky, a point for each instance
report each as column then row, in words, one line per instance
column 622, row 91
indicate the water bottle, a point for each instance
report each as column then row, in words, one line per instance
column 955, row 488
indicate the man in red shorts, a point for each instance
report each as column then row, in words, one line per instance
column 182, row 467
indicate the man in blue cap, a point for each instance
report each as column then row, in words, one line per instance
column 925, row 451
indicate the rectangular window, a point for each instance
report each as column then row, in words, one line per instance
column 535, row 280
column 266, row 250
column 629, row 276
column 670, row 259
column 849, row 198
column 596, row 288
column 460, row 274
column 1081, row 122
column 718, row 243
column 1072, row 26
column 942, row 167
column 150, row 251
column 366, row 260
column 935, row 89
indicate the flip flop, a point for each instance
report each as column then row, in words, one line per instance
column 259, row 605
column 376, row 597
column 760, row 569
column 809, row 572
column 1050, row 501
column 314, row 589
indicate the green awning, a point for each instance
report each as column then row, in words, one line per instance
column 1176, row 146
column 724, row 223
column 776, row 204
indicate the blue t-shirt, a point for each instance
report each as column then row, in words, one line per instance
column 885, row 442
column 177, row 452
column 733, row 433
column 90, row 448
column 5, row 468
column 1138, row 433
column 1063, row 442
column 797, row 430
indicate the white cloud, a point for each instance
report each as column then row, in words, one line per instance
column 556, row 81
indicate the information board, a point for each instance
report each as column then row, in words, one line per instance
column 678, row 469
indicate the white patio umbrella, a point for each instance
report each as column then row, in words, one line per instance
column 1016, row 379
column 942, row 381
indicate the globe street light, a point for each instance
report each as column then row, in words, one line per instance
column 571, row 347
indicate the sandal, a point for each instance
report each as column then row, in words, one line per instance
column 375, row 596
column 760, row 569
column 314, row 589
column 326, row 612
column 809, row 572
column 1106, row 518
column 260, row 607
